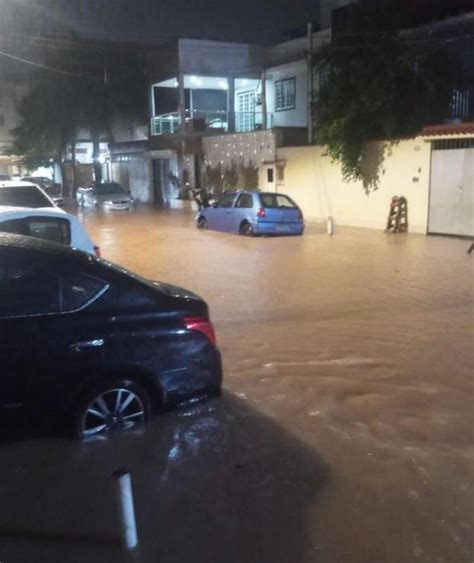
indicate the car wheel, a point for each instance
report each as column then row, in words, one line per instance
column 246, row 229
column 202, row 223
column 115, row 406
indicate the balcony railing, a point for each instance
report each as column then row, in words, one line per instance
column 209, row 121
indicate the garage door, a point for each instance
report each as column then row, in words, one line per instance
column 452, row 188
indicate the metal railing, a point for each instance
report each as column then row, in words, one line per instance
column 203, row 120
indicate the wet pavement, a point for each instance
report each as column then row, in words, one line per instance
column 345, row 433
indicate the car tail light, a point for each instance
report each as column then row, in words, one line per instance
column 300, row 215
column 97, row 251
column 261, row 213
column 203, row 325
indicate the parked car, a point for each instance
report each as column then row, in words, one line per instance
column 51, row 188
column 24, row 194
column 97, row 346
column 252, row 213
column 45, row 183
column 107, row 195
column 50, row 224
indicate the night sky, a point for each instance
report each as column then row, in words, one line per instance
column 154, row 20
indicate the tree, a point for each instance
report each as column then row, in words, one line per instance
column 376, row 86
column 85, row 88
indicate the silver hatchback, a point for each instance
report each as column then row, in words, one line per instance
column 108, row 195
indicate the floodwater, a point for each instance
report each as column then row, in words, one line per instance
column 345, row 433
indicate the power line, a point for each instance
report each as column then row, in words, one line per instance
column 46, row 67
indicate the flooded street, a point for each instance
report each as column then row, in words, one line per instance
column 345, row 433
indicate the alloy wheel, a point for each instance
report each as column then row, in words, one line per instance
column 114, row 409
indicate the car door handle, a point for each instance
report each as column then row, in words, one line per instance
column 78, row 346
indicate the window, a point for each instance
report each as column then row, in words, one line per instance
column 226, row 200
column 28, row 290
column 46, row 228
column 270, row 175
column 50, row 228
column 109, row 189
column 14, row 226
column 24, row 196
column 78, row 290
column 285, row 94
column 244, row 201
column 277, row 201
column 449, row 144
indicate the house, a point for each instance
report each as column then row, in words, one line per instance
column 434, row 170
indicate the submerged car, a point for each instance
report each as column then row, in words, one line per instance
column 93, row 345
column 24, row 194
column 47, row 224
column 252, row 213
column 106, row 195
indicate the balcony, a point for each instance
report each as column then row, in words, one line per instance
column 209, row 122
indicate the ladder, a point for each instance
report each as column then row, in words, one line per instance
column 397, row 221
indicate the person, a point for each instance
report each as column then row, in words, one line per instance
column 201, row 197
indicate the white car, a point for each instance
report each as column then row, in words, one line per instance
column 107, row 195
column 49, row 224
column 24, row 194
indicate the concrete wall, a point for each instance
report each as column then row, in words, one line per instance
column 317, row 186
column 297, row 117
column 258, row 147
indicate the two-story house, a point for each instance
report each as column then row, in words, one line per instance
column 221, row 109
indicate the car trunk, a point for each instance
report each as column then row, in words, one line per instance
column 281, row 215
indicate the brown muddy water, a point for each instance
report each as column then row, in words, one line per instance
column 345, row 433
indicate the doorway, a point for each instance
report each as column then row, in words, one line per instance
column 245, row 111
column 161, row 195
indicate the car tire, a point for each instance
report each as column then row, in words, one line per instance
column 246, row 229
column 115, row 405
column 202, row 223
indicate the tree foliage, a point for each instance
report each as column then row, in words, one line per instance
column 376, row 85
column 83, row 90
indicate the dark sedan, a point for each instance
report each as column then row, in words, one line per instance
column 99, row 346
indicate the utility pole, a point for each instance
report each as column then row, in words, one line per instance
column 310, row 82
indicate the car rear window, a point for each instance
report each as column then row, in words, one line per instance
column 277, row 201
column 23, row 196
column 46, row 228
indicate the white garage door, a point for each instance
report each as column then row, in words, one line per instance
column 452, row 189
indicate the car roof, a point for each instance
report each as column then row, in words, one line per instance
column 40, row 246
column 15, row 183
column 13, row 212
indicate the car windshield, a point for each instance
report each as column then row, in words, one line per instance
column 24, row 196
column 277, row 201
column 108, row 189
